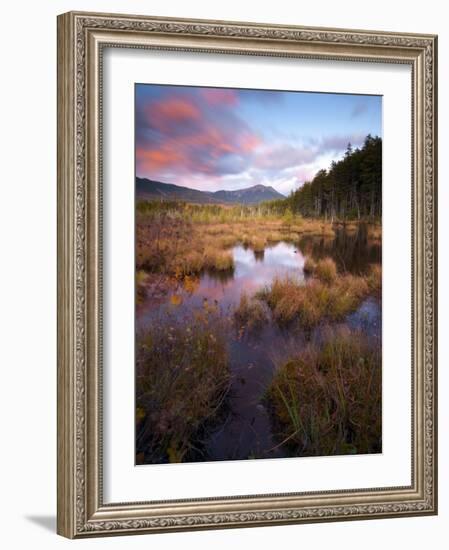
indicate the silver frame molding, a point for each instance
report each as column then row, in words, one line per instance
column 81, row 39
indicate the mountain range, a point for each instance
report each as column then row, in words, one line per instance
column 156, row 190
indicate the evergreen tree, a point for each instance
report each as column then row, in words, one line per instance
column 350, row 189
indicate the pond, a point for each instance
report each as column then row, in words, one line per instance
column 247, row 431
column 252, row 271
column 352, row 250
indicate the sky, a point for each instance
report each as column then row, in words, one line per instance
column 229, row 138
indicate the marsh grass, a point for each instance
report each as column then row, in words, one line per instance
column 251, row 314
column 141, row 279
column 183, row 378
column 327, row 297
column 374, row 278
column 219, row 260
column 326, row 398
column 322, row 396
column 170, row 245
column 178, row 240
column 326, row 270
column 275, row 236
column 258, row 244
column 351, row 227
column 309, row 266
column 375, row 232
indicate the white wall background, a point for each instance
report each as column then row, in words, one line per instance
column 28, row 272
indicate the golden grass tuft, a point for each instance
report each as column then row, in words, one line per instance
column 275, row 236
column 375, row 232
column 313, row 302
column 326, row 270
column 374, row 278
column 251, row 313
column 218, row 260
column 309, row 266
column 190, row 264
column 258, row 244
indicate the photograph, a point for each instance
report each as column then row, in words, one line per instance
column 247, row 279
column 258, row 274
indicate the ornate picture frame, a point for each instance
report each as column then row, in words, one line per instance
column 82, row 38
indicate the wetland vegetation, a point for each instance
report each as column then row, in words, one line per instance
column 258, row 334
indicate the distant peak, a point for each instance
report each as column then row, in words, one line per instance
column 258, row 187
column 247, row 195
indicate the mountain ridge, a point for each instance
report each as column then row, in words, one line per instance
column 152, row 190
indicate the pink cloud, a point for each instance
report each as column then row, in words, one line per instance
column 186, row 134
column 158, row 159
column 191, row 138
column 249, row 142
column 166, row 113
column 218, row 96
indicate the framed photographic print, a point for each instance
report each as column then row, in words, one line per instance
column 246, row 274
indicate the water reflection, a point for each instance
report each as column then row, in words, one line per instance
column 250, row 274
column 280, row 259
column 259, row 255
column 352, row 251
